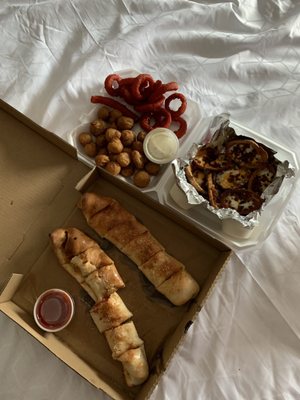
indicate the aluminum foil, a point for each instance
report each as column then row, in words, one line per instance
column 217, row 134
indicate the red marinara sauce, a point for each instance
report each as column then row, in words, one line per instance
column 53, row 310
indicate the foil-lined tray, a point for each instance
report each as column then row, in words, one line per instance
column 218, row 134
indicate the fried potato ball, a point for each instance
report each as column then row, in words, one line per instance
column 123, row 159
column 97, row 127
column 152, row 168
column 101, row 160
column 115, row 146
column 85, row 138
column 112, row 133
column 125, row 123
column 141, row 179
column 104, row 113
column 113, row 168
column 90, row 149
column 127, row 137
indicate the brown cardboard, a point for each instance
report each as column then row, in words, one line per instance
column 10, row 287
column 38, row 178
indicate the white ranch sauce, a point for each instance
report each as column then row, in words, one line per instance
column 161, row 145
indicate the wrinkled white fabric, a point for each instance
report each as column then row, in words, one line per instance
column 237, row 56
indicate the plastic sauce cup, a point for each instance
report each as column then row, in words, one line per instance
column 53, row 310
column 161, row 145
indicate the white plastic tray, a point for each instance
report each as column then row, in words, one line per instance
column 192, row 117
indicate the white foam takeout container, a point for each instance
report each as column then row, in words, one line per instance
column 229, row 231
column 192, row 115
column 163, row 187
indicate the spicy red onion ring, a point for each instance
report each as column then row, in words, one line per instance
column 162, row 118
column 139, row 84
column 108, row 84
column 162, row 89
column 181, row 109
column 181, row 131
column 147, row 97
column 145, row 122
column 150, row 107
column 125, row 93
column 146, row 89
column 107, row 101
column 154, row 88
column 126, row 82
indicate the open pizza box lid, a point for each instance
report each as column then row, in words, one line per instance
column 41, row 181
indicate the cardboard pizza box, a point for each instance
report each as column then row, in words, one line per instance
column 41, row 183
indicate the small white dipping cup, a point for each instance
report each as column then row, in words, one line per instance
column 161, row 145
column 58, row 302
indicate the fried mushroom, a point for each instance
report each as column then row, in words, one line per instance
column 113, row 167
column 127, row 171
column 123, row 159
column 104, row 113
column 101, row 160
column 138, row 159
column 115, row 146
column 85, row 138
column 101, row 140
column 90, row 149
column 97, row 127
column 152, row 168
column 112, row 133
column 125, row 123
column 127, row 137
column 141, row 179
column 137, row 145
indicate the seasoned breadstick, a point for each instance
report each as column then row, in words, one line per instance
column 110, row 313
column 111, row 221
column 84, row 259
column 96, row 272
column 160, row 267
column 123, row 338
column 135, row 366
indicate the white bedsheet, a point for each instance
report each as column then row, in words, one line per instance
column 241, row 57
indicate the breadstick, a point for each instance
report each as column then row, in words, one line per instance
column 111, row 221
column 96, row 272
